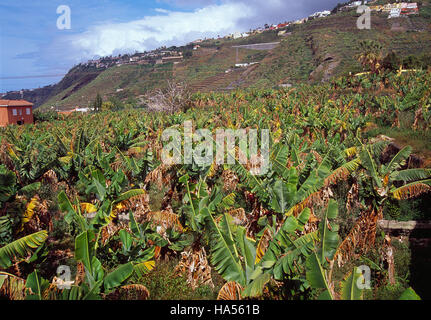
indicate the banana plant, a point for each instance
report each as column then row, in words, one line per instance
column 97, row 282
column 283, row 257
column 239, row 258
column 110, row 198
column 293, row 190
column 319, row 264
column 138, row 169
column 8, row 185
column 385, row 178
column 31, row 156
column 95, row 278
column 18, row 250
column 135, row 245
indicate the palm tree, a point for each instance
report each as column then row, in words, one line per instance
column 371, row 55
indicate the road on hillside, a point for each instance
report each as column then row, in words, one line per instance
column 259, row 46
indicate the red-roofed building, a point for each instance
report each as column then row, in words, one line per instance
column 15, row 112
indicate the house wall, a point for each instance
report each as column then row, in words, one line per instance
column 4, row 118
column 7, row 116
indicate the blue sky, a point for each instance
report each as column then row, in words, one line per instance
column 31, row 44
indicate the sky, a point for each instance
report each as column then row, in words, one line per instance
column 32, row 45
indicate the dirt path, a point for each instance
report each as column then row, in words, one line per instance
column 259, row 46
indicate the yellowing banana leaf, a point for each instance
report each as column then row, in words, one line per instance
column 29, row 212
column 20, row 249
column 88, row 207
column 349, row 286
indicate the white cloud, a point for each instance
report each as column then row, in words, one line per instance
column 168, row 28
column 160, row 10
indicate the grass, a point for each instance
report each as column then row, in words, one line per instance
column 419, row 140
column 164, row 284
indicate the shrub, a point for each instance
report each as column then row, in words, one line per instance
column 163, row 284
column 391, row 62
column 176, row 97
column 390, row 291
column 40, row 116
column 402, row 260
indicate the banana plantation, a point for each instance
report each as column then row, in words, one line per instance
column 88, row 209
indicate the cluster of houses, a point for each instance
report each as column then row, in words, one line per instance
column 153, row 57
column 283, row 25
column 354, row 4
column 280, row 26
column 393, row 9
column 319, row 14
column 396, row 10
column 160, row 57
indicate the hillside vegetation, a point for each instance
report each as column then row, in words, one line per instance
column 314, row 51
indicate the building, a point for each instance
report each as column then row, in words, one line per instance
column 173, row 59
column 410, row 8
column 394, row 13
column 353, row 4
column 245, row 65
column 319, row 14
column 324, row 14
column 15, row 112
column 76, row 110
column 237, row 35
column 82, row 110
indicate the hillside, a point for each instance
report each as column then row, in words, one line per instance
column 311, row 52
column 327, row 47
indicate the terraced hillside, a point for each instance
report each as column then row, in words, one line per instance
column 312, row 52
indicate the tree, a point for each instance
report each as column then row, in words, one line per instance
column 370, row 56
column 175, row 97
column 98, row 102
